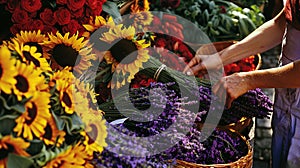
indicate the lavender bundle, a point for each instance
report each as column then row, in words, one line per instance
column 220, row 147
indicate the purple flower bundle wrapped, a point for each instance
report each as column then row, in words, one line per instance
column 220, row 147
column 254, row 103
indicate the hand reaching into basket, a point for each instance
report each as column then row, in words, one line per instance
column 201, row 63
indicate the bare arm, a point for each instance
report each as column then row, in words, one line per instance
column 263, row 38
column 287, row 76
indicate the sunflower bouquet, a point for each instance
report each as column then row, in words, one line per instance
column 48, row 116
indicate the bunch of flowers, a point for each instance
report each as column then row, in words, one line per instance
column 221, row 146
column 43, row 116
column 65, row 16
column 243, row 65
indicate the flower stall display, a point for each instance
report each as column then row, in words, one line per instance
column 44, row 120
column 132, row 72
column 68, row 66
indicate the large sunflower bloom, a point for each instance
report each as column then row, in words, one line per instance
column 7, row 70
column 34, row 119
column 52, row 135
column 28, row 80
column 33, row 38
column 125, row 46
column 65, row 51
column 95, row 133
column 9, row 144
column 72, row 157
column 30, row 54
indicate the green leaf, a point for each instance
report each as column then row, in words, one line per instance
column 18, row 161
column 60, row 123
column 35, row 147
column 7, row 126
column 112, row 9
column 20, row 107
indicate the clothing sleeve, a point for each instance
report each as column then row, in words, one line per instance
column 292, row 13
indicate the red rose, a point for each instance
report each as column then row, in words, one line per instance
column 61, row 2
column 72, row 27
column 20, row 16
column 35, row 25
column 16, row 28
column 12, row 5
column 161, row 42
column 31, row 5
column 47, row 17
column 78, row 13
column 92, row 3
column 63, row 16
column 49, row 29
column 75, row 4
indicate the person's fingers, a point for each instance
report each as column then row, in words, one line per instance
column 198, row 69
column 190, row 64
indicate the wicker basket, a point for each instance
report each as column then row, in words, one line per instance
column 244, row 162
column 211, row 48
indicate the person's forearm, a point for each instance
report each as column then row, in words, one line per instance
column 265, row 37
column 287, row 76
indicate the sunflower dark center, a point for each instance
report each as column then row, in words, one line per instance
column 32, row 113
column 67, row 99
column 66, row 55
column 93, row 134
column 124, row 49
column 22, row 83
column 38, row 47
column 4, row 152
column 48, row 132
column 30, row 58
column 1, row 71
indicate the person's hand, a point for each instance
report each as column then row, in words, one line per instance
column 235, row 85
column 201, row 63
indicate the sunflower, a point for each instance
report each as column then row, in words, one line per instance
column 28, row 80
column 95, row 133
column 139, row 6
column 33, row 38
column 30, row 54
column 72, row 157
column 87, row 55
column 66, row 95
column 64, row 75
column 144, row 18
column 125, row 45
column 87, row 91
column 7, row 70
column 52, row 135
column 34, row 119
column 9, row 144
column 95, row 23
column 65, row 51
